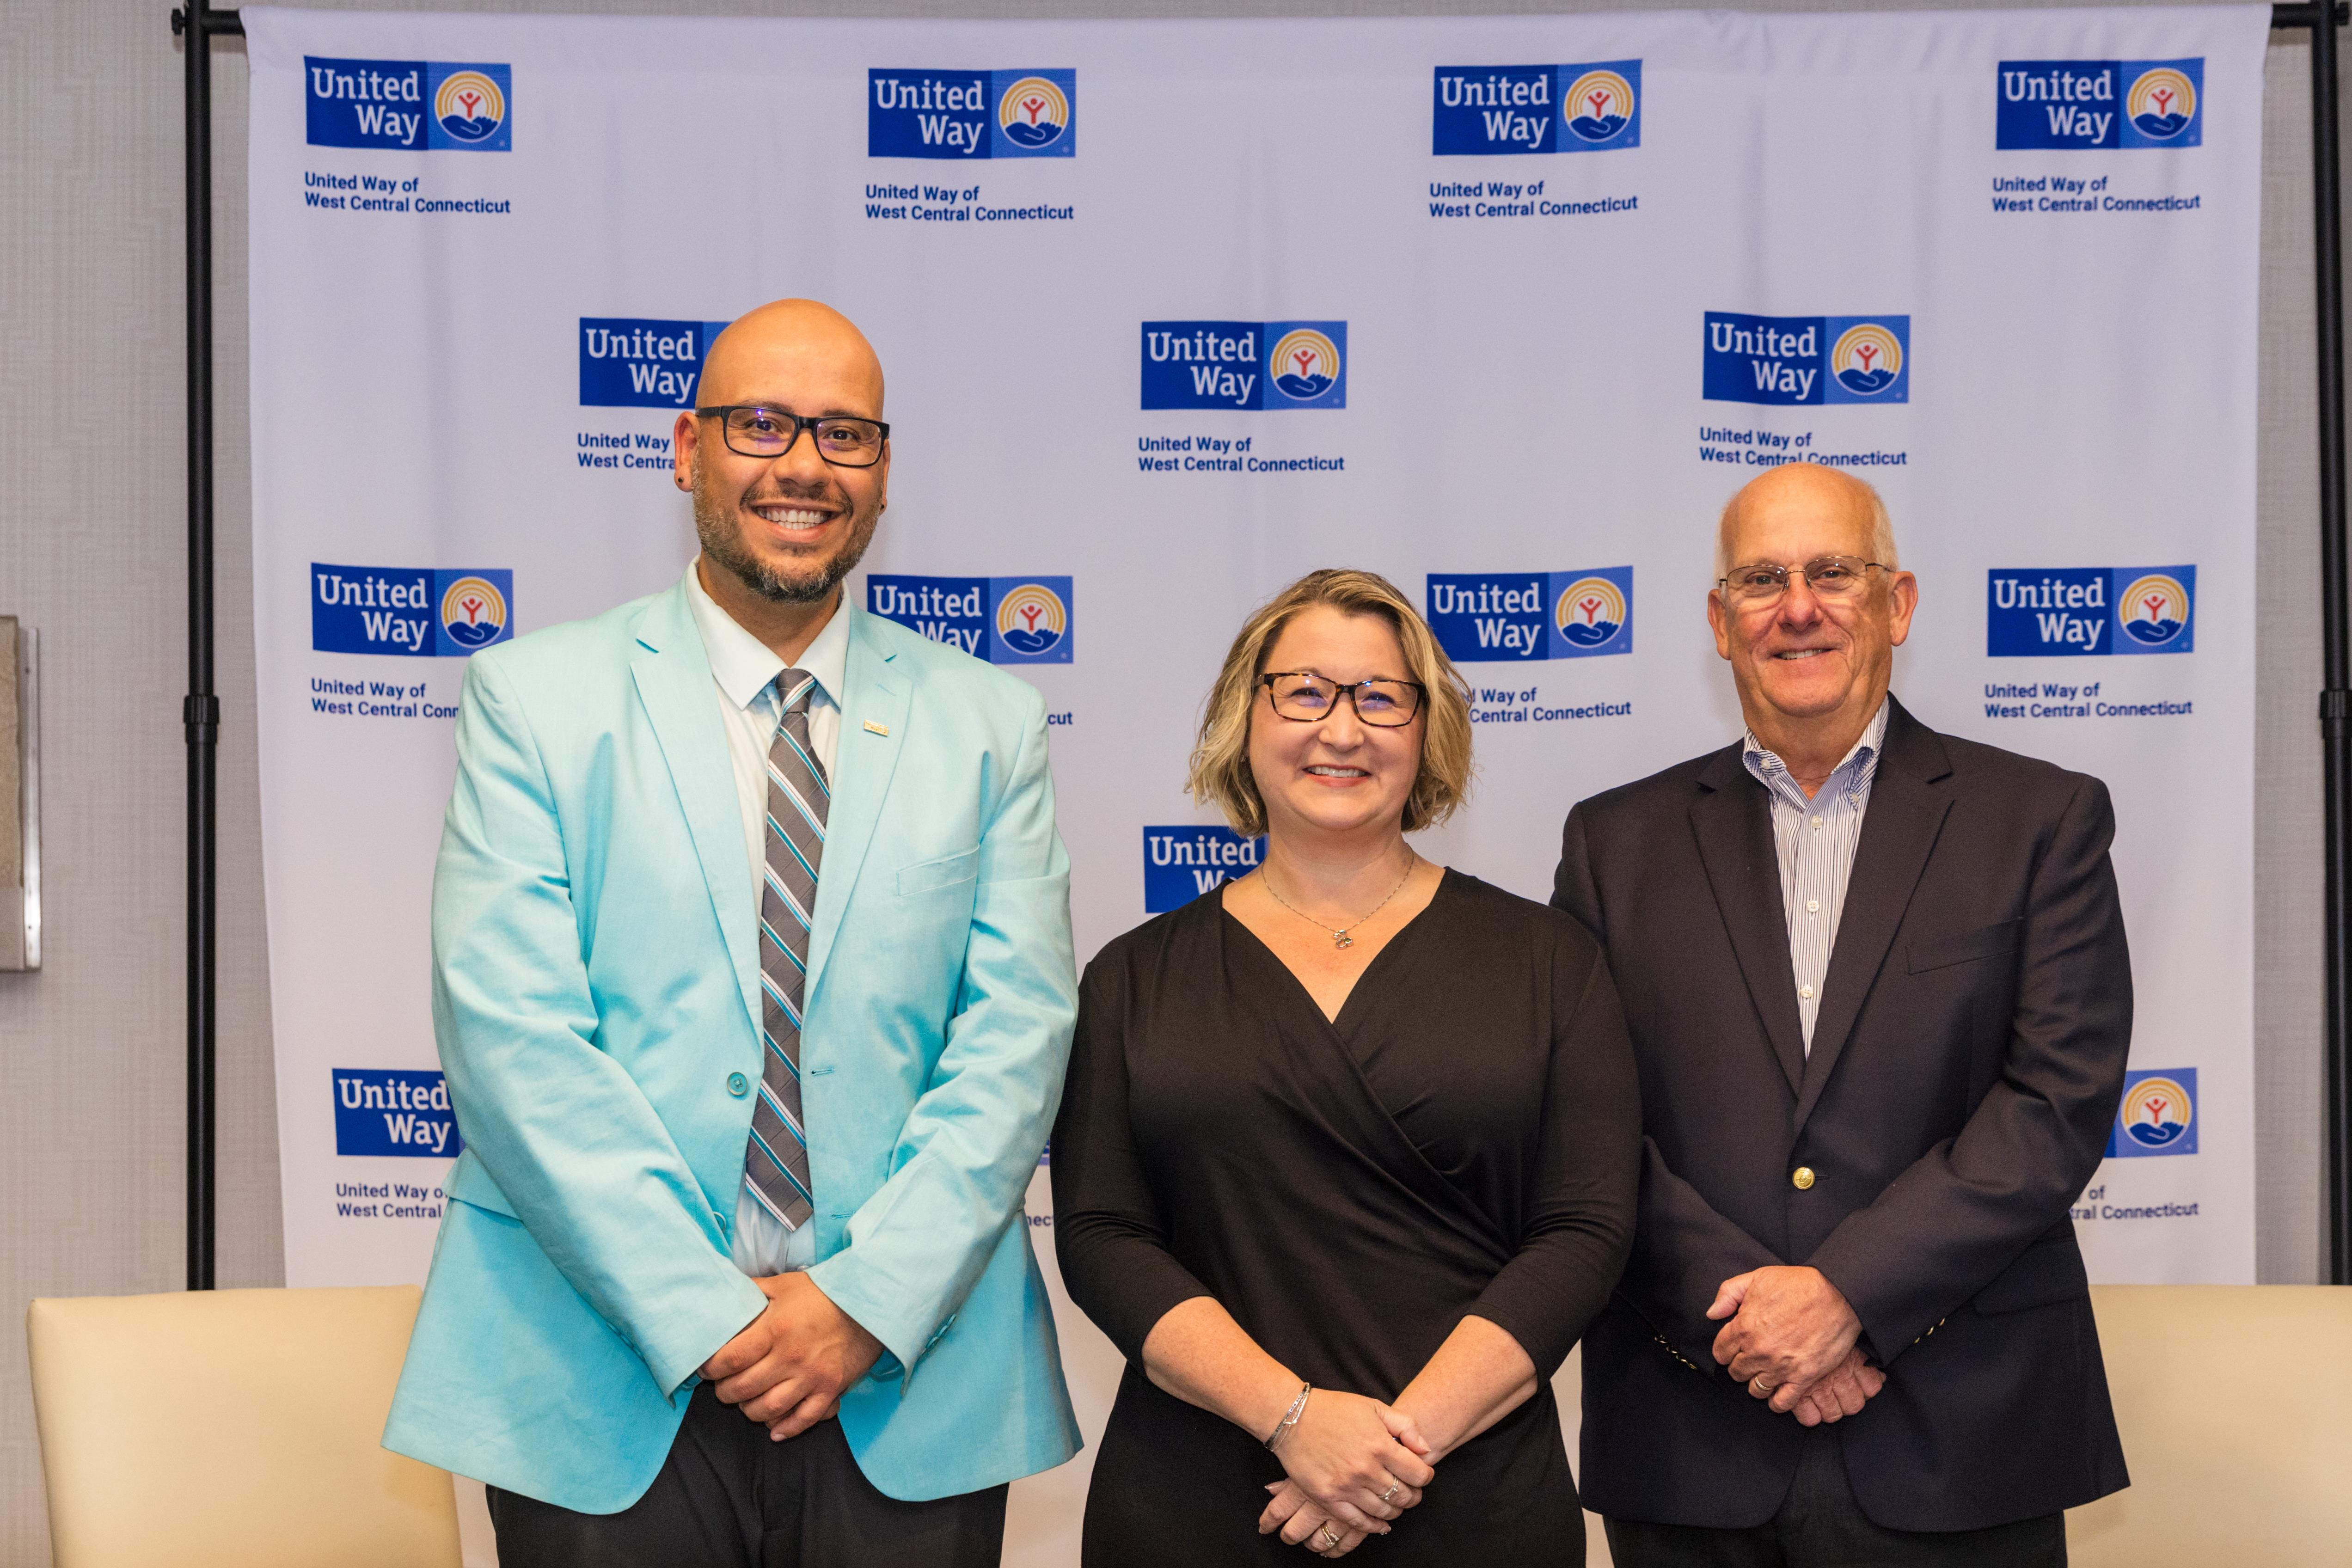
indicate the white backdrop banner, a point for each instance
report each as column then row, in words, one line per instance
column 1173, row 311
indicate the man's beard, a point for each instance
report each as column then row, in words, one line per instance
column 716, row 524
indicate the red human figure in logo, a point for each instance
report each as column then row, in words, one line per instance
column 2155, row 602
column 1600, row 102
column 1035, row 106
column 472, row 605
column 1592, row 608
column 1865, row 352
column 2163, row 96
column 472, row 100
column 1029, row 613
column 2155, row 1104
column 1306, row 359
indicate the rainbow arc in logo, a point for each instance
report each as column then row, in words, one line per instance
column 1597, row 105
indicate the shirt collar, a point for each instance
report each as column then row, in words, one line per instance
column 745, row 666
column 1850, row 778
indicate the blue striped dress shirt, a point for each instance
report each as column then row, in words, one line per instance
column 1815, row 840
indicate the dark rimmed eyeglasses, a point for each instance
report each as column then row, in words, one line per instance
column 1835, row 577
column 1306, row 697
column 755, row 430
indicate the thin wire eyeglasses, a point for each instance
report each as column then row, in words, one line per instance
column 755, row 430
column 1305, row 697
column 1833, row 577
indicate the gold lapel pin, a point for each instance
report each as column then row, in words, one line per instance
column 873, row 727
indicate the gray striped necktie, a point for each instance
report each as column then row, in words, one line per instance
column 775, row 1163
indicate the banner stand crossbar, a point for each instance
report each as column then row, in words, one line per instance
column 197, row 24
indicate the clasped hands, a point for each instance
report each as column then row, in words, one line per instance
column 1354, row 1465
column 788, row 1367
column 1792, row 1341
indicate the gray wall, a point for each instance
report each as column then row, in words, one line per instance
column 92, row 553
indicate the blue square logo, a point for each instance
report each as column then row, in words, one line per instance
column 1019, row 113
column 2071, row 612
column 1485, row 110
column 637, row 361
column 2088, row 105
column 1794, row 360
column 1003, row 620
column 411, row 105
column 1181, row 863
column 393, row 1111
column 2159, row 1115
column 1245, row 365
column 1488, row 617
column 414, row 612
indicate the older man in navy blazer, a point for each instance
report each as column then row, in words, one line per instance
column 1880, row 1003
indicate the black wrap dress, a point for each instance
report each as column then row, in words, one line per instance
column 1463, row 1139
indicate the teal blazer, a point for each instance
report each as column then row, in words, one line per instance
column 595, row 992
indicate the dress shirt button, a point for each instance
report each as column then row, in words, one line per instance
column 1817, row 822
column 1813, row 906
column 1806, row 992
column 1801, row 1178
column 738, row 1085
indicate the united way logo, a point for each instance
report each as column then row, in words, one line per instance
column 1305, row 363
column 2153, row 610
column 1005, row 620
column 1179, row 864
column 415, row 105
column 473, row 612
column 1034, row 113
column 383, row 1111
column 971, row 114
column 1248, row 365
column 1485, row 617
column 2159, row 1115
column 1807, row 358
column 2100, row 103
column 1481, row 111
column 634, row 361
column 1866, row 359
column 2085, row 610
column 412, row 612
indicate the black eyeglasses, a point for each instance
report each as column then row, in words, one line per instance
column 755, row 430
column 1835, row 578
column 1307, row 698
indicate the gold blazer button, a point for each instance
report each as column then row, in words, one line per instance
column 1801, row 1178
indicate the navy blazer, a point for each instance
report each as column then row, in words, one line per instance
column 1966, row 1065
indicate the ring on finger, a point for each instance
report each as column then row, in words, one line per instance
column 1391, row 1491
column 1326, row 1537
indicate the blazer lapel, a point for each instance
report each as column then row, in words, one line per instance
column 875, row 701
column 673, row 676
column 1732, row 820
column 1898, row 831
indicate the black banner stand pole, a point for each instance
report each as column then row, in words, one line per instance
column 200, row 711
column 2335, row 693
column 197, row 25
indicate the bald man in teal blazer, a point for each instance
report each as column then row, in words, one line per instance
column 632, row 1331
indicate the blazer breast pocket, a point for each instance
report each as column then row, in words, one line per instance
column 930, row 876
column 1941, row 950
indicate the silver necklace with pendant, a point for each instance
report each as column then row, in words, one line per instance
column 1340, row 937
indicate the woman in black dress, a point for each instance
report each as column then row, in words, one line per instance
column 1347, row 1158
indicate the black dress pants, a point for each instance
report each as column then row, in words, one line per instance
column 728, row 1497
column 1819, row 1525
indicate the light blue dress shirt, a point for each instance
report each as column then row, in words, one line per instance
column 744, row 669
column 1815, row 840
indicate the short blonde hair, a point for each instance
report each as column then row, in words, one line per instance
column 1221, row 769
column 1882, row 526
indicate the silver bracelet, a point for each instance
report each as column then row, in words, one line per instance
column 1297, row 1409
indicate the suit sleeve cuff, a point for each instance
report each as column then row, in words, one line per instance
column 725, row 1311
column 879, row 1305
